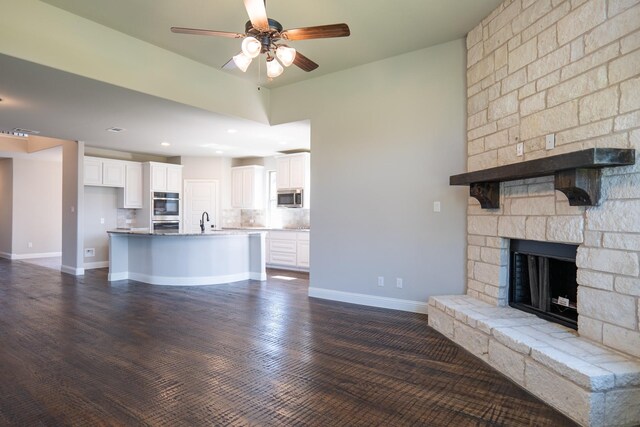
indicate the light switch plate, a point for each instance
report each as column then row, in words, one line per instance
column 520, row 149
column 550, row 141
column 436, row 206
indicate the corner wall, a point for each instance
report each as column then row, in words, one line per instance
column 385, row 137
column 6, row 207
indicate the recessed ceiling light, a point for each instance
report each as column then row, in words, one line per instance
column 232, row 130
column 283, row 142
column 116, row 130
column 165, row 144
column 219, row 151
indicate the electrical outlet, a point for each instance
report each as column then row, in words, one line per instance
column 101, row 220
column 520, row 149
column 30, row 244
column 380, row 281
column 399, row 282
column 89, row 252
column 436, row 206
column 550, row 141
column 128, row 221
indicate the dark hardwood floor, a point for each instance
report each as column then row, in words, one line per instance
column 82, row 351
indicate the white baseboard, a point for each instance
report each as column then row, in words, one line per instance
column 30, row 256
column 72, row 270
column 97, row 264
column 181, row 281
column 370, row 300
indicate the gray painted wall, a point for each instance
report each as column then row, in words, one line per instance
column 99, row 202
column 72, row 206
column 385, row 138
column 6, row 207
column 37, row 206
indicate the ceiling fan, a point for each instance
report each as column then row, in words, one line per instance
column 265, row 35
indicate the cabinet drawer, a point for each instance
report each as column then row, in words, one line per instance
column 288, row 246
column 283, row 235
column 282, row 258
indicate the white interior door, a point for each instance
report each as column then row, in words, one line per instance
column 200, row 196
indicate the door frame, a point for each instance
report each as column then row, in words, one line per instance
column 183, row 203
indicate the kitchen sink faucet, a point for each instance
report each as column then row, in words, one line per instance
column 202, row 221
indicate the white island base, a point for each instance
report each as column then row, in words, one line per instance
column 187, row 259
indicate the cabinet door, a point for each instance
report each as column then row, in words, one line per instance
column 297, row 171
column 283, row 172
column 133, row 186
column 303, row 254
column 236, row 188
column 113, row 173
column 158, row 178
column 247, row 188
column 92, row 171
column 174, row 179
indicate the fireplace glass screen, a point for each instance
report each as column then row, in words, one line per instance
column 543, row 280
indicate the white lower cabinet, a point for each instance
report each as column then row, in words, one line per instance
column 288, row 249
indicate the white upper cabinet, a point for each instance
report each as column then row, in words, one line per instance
column 131, row 196
column 292, row 171
column 166, row 177
column 247, row 187
column 104, row 172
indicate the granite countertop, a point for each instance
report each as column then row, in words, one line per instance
column 266, row 228
column 146, row 232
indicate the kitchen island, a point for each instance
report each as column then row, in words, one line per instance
column 187, row 259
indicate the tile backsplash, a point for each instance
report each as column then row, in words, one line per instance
column 285, row 218
column 124, row 215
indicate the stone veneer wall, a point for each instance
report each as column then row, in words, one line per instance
column 569, row 67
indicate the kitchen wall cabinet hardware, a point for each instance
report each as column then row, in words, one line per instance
column 288, row 250
column 104, row 172
column 293, row 171
column 247, row 187
column 166, row 177
column 130, row 197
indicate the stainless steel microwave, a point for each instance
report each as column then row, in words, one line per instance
column 291, row 198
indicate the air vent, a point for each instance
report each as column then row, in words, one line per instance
column 24, row 132
column 116, row 130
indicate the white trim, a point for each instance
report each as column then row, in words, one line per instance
column 31, row 256
column 72, row 270
column 185, row 281
column 287, row 267
column 370, row 300
column 96, row 264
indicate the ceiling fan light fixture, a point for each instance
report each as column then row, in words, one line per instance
column 274, row 69
column 286, row 55
column 242, row 61
column 251, row 47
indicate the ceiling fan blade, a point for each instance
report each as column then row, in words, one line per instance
column 200, row 32
column 257, row 14
column 319, row 32
column 230, row 65
column 304, row 63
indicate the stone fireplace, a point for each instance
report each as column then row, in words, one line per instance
column 568, row 70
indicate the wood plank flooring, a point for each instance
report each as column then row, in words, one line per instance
column 82, row 351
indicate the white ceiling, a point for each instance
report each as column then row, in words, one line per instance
column 68, row 106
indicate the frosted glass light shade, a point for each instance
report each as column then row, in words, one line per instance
column 286, row 55
column 251, row 47
column 274, row 69
column 242, row 61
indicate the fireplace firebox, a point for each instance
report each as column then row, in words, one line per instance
column 542, row 280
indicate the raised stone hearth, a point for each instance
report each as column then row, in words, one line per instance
column 591, row 383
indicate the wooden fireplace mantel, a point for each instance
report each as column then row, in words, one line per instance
column 577, row 175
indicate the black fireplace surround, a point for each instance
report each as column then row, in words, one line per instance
column 542, row 280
